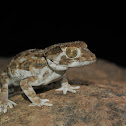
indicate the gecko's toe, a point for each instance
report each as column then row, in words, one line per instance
column 43, row 102
column 11, row 104
column 68, row 87
column 3, row 107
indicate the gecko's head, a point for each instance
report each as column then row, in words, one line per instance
column 72, row 54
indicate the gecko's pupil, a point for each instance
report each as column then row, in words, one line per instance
column 71, row 52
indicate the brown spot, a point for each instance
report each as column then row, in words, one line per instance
column 25, row 66
column 4, row 80
column 39, row 55
column 64, row 60
column 13, row 66
column 74, row 44
column 54, row 50
column 31, row 94
column 24, row 84
column 3, row 89
column 30, row 68
column 45, row 74
column 32, row 79
column 26, row 54
column 40, row 64
column 83, row 45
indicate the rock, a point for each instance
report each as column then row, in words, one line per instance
column 101, row 100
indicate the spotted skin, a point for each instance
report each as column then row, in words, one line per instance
column 37, row 67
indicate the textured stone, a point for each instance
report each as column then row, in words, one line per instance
column 101, row 100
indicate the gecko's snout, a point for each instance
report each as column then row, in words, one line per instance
column 93, row 57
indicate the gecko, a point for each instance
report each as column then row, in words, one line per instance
column 35, row 67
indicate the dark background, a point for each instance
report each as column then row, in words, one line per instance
column 21, row 30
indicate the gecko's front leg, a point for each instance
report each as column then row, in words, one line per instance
column 66, row 86
column 4, row 101
column 30, row 93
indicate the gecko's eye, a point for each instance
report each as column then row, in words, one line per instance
column 71, row 52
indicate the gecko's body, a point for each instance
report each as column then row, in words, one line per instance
column 37, row 67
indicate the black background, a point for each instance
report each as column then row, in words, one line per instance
column 21, row 30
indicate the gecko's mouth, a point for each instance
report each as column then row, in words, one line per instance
column 79, row 64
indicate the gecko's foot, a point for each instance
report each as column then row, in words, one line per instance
column 3, row 107
column 42, row 102
column 67, row 87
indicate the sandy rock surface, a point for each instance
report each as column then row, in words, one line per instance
column 101, row 100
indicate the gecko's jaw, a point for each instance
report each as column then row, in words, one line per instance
column 83, row 63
